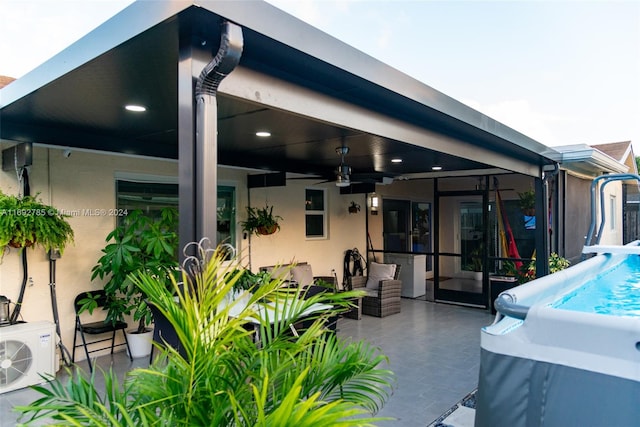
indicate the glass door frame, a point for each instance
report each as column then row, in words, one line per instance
column 454, row 296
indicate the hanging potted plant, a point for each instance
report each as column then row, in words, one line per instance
column 527, row 202
column 138, row 244
column 261, row 221
column 25, row 221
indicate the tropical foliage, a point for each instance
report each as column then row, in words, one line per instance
column 137, row 244
column 528, row 271
column 25, row 221
column 239, row 368
column 527, row 201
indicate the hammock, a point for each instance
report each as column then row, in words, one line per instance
column 507, row 241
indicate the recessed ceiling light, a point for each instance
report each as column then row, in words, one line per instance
column 396, row 160
column 135, row 108
column 263, row 134
column 436, row 168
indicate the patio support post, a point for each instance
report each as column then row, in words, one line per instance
column 542, row 228
column 436, row 239
column 206, row 152
column 186, row 145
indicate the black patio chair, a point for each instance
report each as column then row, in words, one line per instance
column 96, row 328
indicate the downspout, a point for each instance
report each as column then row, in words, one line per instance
column 548, row 175
column 206, row 161
column 542, row 257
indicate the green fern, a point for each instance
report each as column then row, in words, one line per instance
column 26, row 220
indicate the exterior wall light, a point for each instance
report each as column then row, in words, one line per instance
column 374, row 203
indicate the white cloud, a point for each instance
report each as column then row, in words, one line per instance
column 384, row 38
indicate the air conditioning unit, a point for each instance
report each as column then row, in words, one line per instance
column 26, row 351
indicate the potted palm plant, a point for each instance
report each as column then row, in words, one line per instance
column 261, row 221
column 527, row 202
column 25, row 221
column 137, row 244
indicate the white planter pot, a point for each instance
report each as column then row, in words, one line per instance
column 140, row 344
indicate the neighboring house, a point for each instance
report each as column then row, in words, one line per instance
column 5, row 80
column 432, row 161
column 623, row 153
column 579, row 165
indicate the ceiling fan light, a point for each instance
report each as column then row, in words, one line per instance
column 342, row 180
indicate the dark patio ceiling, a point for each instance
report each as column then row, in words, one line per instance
column 76, row 100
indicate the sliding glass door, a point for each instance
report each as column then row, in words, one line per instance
column 461, row 252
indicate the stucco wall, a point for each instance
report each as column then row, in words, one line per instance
column 346, row 230
column 86, row 180
column 82, row 181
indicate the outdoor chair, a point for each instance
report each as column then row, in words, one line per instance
column 383, row 289
column 96, row 328
column 299, row 275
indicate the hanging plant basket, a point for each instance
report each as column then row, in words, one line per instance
column 14, row 243
column 266, row 230
column 529, row 212
column 261, row 221
column 26, row 221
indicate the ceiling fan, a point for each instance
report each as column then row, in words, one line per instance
column 343, row 176
column 343, row 172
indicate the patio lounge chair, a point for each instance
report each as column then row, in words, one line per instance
column 383, row 289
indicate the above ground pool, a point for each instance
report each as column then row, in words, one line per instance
column 566, row 349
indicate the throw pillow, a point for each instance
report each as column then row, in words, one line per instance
column 378, row 272
column 302, row 274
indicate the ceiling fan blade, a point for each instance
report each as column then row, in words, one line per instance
column 306, row 177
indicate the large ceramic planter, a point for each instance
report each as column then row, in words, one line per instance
column 140, row 344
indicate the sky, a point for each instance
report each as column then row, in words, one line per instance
column 560, row 72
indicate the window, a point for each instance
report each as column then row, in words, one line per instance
column 149, row 197
column 226, row 214
column 315, row 213
column 612, row 212
column 152, row 194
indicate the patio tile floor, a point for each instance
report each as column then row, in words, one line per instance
column 434, row 350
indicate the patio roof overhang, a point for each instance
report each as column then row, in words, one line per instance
column 587, row 161
column 308, row 89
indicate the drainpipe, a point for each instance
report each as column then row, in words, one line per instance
column 206, row 161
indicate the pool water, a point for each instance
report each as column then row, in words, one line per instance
column 616, row 292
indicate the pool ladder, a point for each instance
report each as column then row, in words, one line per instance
column 590, row 248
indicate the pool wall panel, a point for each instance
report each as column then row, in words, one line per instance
column 519, row 392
